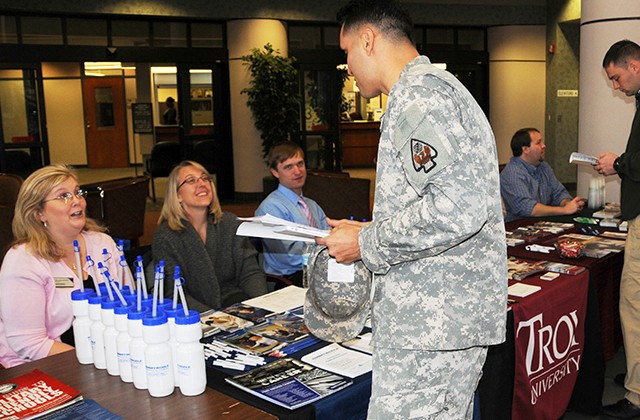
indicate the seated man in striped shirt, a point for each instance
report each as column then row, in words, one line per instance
column 284, row 258
column 528, row 185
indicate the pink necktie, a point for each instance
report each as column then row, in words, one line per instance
column 305, row 209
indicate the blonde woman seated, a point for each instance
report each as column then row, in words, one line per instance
column 39, row 271
column 219, row 267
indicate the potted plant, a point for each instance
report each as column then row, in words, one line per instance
column 273, row 94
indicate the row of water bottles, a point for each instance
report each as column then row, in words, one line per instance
column 154, row 345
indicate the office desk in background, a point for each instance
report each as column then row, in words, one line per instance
column 128, row 402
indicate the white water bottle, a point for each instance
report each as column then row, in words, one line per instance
column 173, row 343
column 137, row 347
column 110, row 334
column 82, row 325
column 97, row 331
column 190, row 354
column 157, row 355
column 123, row 340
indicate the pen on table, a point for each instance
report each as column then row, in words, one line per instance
column 292, row 348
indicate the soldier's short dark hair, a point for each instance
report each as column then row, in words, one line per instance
column 387, row 15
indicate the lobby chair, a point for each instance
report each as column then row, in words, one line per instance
column 9, row 188
column 119, row 205
column 340, row 196
column 204, row 153
column 164, row 156
column 18, row 162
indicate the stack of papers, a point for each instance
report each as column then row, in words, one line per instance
column 522, row 289
column 272, row 227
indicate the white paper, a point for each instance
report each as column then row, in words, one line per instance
column 340, row 273
column 272, row 227
column 258, row 230
column 522, row 289
column 280, row 300
column 361, row 343
column 340, row 360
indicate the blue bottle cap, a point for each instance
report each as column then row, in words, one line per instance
column 80, row 295
column 120, row 309
column 172, row 313
column 192, row 318
column 109, row 304
column 134, row 313
column 94, row 299
column 150, row 320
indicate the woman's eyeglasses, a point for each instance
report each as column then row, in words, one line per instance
column 67, row 197
column 192, row 180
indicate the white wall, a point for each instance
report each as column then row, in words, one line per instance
column 244, row 35
column 517, row 82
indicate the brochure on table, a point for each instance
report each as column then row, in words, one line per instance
column 289, row 383
column 272, row 227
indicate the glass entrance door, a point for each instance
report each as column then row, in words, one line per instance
column 23, row 140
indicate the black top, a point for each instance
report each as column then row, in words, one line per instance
column 629, row 172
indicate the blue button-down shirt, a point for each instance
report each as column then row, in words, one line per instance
column 285, row 257
column 523, row 185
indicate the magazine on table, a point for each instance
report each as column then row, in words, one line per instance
column 248, row 312
column 520, row 269
column 213, row 321
column 289, row 383
column 283, row 327
column 38, row 395
column 563, row 268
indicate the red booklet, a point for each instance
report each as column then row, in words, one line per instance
column 34, row 393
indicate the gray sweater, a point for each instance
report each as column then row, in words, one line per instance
column 225, row 265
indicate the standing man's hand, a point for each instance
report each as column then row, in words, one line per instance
column 342, row 242
column 605, row 164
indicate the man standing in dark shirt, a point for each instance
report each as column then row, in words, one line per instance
column 622, row 64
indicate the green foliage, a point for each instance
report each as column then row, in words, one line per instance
column 273, row 95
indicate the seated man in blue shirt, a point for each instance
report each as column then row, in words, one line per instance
column 284, row 258
column 528, row 185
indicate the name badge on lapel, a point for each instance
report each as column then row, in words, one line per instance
column 63, row 282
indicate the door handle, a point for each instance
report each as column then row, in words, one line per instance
column 88, row 124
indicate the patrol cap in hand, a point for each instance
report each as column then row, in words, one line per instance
column 335, row 311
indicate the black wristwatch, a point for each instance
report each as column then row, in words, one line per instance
column 616, row 165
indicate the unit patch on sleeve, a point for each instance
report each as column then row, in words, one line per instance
column 424, row 156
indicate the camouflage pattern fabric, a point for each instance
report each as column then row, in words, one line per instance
column 436, row 244
column 425, row 385
column 436, row 248
column 335, row 311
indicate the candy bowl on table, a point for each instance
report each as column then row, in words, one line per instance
column 569, row 248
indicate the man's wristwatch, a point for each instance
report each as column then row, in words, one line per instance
column 616, row 165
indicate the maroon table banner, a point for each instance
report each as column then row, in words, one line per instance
column 549, row 340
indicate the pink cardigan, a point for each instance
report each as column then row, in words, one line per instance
column 33, row 312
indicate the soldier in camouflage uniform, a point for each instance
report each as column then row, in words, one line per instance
column 436, row 243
